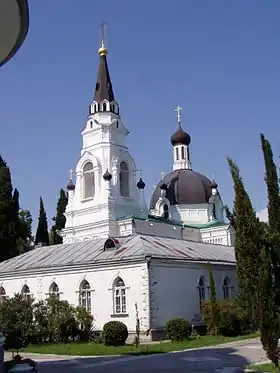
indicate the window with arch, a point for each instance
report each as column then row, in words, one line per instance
column 25, row 292
column 54, row 291
column 226, row 288
column 88, row 176
column 124, row 179
column 85, row 295
column 201, row 289
column 177, row 153
column 112, row 108
column 2, row 294
column 165, row 211
column 119, row 296
column 183, row 155
column 104, row 106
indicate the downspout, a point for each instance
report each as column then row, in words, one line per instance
column 148, row 261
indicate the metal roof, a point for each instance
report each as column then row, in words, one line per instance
column 130, row 248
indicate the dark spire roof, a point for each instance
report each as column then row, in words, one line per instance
column 103, row 88
column 180, row 137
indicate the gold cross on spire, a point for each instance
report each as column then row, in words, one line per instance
column 178, row 109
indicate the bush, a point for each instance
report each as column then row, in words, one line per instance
column 229, row 323
column 232, row 320
column 177, row 329
column 115, row 333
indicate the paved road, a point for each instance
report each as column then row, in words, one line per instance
column 228, row 357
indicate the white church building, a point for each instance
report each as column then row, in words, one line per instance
column 117, row 251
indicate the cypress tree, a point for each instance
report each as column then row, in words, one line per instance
column 7, row 234
column 42, row 234
column 270, row 274
column 60, row 219
column 248, row 246
column 215, row 312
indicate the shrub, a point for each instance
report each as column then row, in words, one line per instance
column 229, row 323
column 177, row 329
column 115, row 333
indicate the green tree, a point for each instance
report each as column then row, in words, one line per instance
column 248, row 246
column 42, row 234
column 59, row 220
column 215, row 311
column 25, row 240
column 270, row 274
column 7, row 224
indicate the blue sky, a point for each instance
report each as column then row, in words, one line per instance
column 219, row 60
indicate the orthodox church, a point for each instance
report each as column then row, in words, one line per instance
column 118, row 254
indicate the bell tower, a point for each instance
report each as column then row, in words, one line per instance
column 105, row 186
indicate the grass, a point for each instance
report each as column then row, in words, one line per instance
column 269, row 368
column 91, row 349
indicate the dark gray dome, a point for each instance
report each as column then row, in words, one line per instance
column 184, row 187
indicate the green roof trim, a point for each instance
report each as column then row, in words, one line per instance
column 211, row 224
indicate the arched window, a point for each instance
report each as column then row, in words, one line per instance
column 177, row 153
column 226, row 288
column 201, row 289
column 54, row 290
column 112, row 108
column 183, row 156
column 85, row 295
column 124, row 180
column 2, row 294
column 104, row 106
column 88, row 176
column 119, row 296
column 25, row 292
column 165, row 212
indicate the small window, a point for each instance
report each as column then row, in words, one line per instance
column 98, row 107
column 165, row 212
column 226, row 288
column 54, row 290
column 2, row 294
column 201, row 289
column 97, row 86
column 90, row 124
column 88, row 176
column 124, row 179
column 109, row 244
column 104, row 106
column 85, row 295
column 117, row 124
column 183, row 152
column 25, row 292
column 177, row 154
column 119, row 296
column 112, row 108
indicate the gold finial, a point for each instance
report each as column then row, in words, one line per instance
column 178, row 109
column 102, row 51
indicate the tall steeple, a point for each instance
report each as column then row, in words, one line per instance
column 103, row 87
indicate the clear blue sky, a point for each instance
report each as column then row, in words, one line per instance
column 219, row 60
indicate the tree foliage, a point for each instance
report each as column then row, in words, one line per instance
column 215, row 312
column 248, row 245
column 59, row 220
column 42, row 234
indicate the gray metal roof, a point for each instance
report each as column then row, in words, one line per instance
column 130, row 248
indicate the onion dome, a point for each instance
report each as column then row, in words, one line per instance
column 107, row 176
column 180, row 137
column 141, row 184
column 70, row 185
column 214, row 185
column 163, row 186
column 184, row 187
